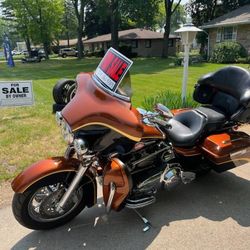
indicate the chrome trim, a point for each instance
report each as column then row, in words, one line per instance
column 149, row 156
column 82, row 170
column 133, row 204
column 111, row 196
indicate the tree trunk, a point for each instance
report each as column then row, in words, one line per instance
column 168, row 9
column 114, row 24
column 80, row 19
column 80, row 47
column 46, row 47
column 28, row 45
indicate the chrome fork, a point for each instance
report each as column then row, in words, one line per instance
column 73, row 185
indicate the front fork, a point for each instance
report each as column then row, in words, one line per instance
column 81, row 171
column 86, row 162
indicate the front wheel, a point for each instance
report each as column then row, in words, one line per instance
column 36, row 207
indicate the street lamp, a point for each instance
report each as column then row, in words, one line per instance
column 187, row 33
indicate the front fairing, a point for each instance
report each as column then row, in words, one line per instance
column 94, row 106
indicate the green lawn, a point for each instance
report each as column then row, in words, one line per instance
column 29, row 134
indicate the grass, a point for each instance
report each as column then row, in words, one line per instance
column 28, row 134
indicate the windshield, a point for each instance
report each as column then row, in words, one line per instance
column 125, row 88
column 113, row 76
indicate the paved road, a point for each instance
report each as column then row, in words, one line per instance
column 211, row 213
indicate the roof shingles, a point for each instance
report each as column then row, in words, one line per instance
column 238, row 16
column 132, row 34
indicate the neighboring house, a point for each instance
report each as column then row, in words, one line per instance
column 234, row 26
column 145, row 43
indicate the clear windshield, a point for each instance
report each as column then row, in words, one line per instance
column 125, row 88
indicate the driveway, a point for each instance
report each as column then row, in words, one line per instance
column 213, row 212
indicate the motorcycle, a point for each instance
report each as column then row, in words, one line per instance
column 133, row 153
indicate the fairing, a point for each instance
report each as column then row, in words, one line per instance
column 94, row 106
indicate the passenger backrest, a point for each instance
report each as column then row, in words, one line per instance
column 226, row 103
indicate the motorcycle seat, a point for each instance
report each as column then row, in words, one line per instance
column 187, row 127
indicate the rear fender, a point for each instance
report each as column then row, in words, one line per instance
column 51, row 166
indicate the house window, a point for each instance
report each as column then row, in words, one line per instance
column 218, row 35
column 226, row 34
column 147, row 43
column 134, row 44
column 170, row 42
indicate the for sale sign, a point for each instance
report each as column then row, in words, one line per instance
column 16, row 93
column 112, row 69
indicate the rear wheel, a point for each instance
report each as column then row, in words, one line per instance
column 36, row 207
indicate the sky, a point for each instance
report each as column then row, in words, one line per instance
column 184, row 1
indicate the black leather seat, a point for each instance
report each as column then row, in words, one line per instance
column 186, row 128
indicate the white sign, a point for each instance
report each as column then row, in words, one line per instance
column 16, row 93
column 112, row 69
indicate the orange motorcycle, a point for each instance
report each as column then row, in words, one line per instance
column 133, row 153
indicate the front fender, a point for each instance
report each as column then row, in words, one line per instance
column 47, row 167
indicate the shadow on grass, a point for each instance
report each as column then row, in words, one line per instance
column 214, row 197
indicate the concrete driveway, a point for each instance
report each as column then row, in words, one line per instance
column 210, row 213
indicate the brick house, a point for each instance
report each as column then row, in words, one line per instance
column 145, row 43
column 233, row 26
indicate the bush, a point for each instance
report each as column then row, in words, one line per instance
column 170, row 99
column 228, row 52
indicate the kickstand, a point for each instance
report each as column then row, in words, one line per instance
column 147, row 224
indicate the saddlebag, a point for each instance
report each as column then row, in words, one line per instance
column 227, row 150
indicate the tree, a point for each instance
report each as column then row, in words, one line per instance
column 125, row 14
column 170, row 9
column 40, row 20
column 68, row 22
column 79, row 6
column 143, row 14
column 178, row 17
column 15, row 21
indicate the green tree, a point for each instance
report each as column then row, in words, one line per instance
column 170, row 9
column 178, row 17
column 80, row 6
column 69, row 22
column 39, row 20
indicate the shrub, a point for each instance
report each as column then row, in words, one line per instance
column 228, row 52
column 170, row 99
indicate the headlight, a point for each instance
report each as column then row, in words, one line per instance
column 59, row 118
column 80, row 146
column 66, row 130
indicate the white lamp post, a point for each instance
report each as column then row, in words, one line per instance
column 187, row 33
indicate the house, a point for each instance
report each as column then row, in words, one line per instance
column 233, row 26
column 145, row 43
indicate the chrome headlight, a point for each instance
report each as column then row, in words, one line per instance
column 66, row 130
column 80, row 146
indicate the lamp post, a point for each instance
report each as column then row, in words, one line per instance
column 187, row 33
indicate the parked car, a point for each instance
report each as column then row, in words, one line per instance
column 16, row 52
column 67, row 52
column 36, row 55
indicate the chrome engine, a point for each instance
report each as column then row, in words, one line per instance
column 172, row 176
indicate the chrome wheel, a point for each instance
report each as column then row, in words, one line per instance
column 42, row 205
